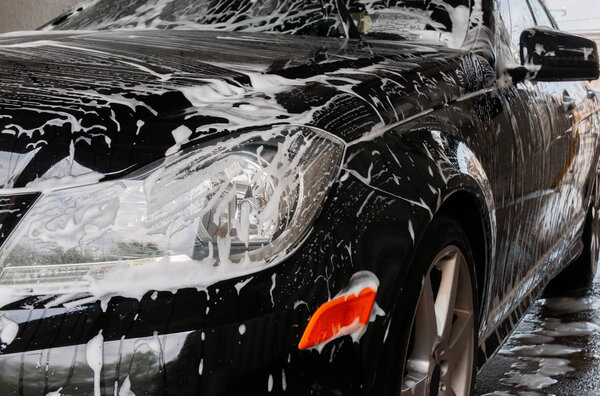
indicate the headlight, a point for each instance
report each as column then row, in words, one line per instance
column 189, row 220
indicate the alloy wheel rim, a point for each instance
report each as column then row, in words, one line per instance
column 441, row 353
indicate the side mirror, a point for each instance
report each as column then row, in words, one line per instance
column 552, row 55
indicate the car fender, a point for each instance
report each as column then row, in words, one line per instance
column 424, row 167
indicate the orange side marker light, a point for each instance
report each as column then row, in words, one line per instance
column 338, row 317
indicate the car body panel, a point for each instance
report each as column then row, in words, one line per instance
column 201, row 67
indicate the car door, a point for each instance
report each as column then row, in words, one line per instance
column 542, row 144
column 546, row 201
column 521, row 245
column 567, row 108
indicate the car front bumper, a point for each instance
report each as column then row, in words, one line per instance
column 237, row 336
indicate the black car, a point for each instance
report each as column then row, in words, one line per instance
column 224, row 197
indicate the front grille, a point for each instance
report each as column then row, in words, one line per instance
column 12, row 210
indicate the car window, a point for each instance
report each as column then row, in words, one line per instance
column 504, row 11
column 541, row 17
column 503, row 29
column 444, row 22
column 521, row 19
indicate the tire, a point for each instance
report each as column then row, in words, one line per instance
column 440, row 348
column 580, row 273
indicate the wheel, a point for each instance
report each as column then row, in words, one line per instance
column 441, row 346
column 580, row 273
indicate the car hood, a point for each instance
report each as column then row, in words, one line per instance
column 77, row 107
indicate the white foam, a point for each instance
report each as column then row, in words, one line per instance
column 181, row 135
column 125, row 389
column 8, row 330
column 555, row 328
column 94, row 354
column 531, row 381
column 358, row 282
column 554, row 366
column 273, row 283
column 56, row 392
column 571, row 304
column 240, row 285
column 541, row 350
column 533, row 338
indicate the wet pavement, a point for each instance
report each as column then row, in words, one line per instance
column 554, row 351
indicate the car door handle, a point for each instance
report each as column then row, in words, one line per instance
column 569, row 103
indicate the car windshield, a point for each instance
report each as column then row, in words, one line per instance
column 426, row 20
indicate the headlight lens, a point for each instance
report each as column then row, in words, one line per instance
column 233, row 207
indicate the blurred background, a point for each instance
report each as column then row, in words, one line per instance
column 578, row 16
column 30, row 14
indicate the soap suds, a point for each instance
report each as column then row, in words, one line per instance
column 125, row 389
column 94, row 354
column 273, row 280
column 8, row 331
column 181, row 135
column 56, row 392
column 541, row 350
column 240, row 285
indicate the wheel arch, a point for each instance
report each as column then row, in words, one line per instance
column 466, row 208
column 459, row 186
column 451, row 178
